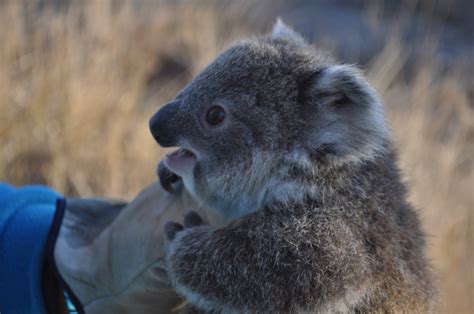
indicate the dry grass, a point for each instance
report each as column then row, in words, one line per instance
column 77, row 88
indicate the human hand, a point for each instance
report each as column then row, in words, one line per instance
column 112, row 254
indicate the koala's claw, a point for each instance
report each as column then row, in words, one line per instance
column 172, row 228
column 167, row 178
column 192, row 219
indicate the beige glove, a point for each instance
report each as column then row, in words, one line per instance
column 111, row 254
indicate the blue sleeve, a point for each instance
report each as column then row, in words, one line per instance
column 26, row 216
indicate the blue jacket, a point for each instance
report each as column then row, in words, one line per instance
column 26, row 217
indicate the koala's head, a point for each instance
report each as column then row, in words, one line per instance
column 263, row 106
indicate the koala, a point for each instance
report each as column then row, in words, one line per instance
column 293, row 150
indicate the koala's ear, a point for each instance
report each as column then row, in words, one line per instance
column 284, row 32
column 349, row 119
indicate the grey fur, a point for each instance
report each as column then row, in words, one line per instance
column 305, row 172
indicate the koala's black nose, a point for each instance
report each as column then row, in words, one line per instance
column 162, row 126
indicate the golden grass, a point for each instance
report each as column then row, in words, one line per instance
column 75, row 102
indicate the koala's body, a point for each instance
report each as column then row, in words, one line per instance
column 293, row 149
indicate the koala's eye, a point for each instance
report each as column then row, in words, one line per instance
column 215, row 115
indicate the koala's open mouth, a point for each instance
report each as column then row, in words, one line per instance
column 181, row 161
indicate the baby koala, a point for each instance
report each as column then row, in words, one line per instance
column 293, row 150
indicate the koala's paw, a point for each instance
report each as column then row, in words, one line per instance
column 192, row 219
column 167, row 178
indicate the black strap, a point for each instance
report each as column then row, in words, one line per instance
column 52, row 283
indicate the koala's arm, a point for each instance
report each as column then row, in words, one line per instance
column 264, row 263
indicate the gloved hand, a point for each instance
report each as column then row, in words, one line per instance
column 112, row 254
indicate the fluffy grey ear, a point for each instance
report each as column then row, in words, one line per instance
column 284, row 32
column 349, row 118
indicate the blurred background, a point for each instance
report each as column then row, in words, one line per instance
column 80, row 79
